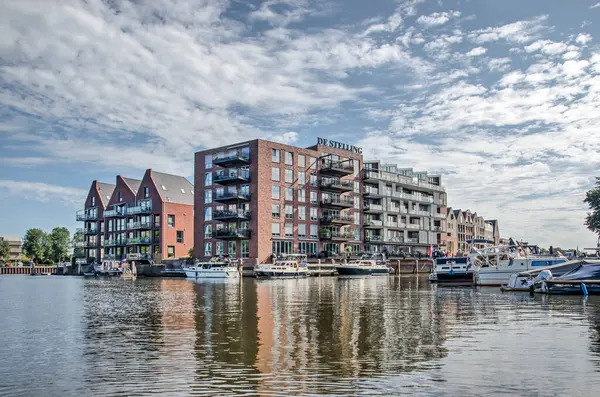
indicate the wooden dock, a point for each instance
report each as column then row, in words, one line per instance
column 10, row 270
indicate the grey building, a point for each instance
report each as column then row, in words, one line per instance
column 404, row 210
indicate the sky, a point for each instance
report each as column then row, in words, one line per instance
column 500, row 97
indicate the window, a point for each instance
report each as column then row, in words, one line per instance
column 171, row 251
column 314, row 214
column 289, row 230
column 93, row 201
column 314, row 197
column 356, row 218
column 301, row 178
column 208, row 161
column 156, row 220
column 219, row 250
column 301, row 160
column 356, row 187
column 301, row 195
column 208, row 213
column 357, row 203
column 120, row 195
column 275, row 155
column 312, row 162
column 313, row 231
column 307, row 248
column 289, row 212
column 275, row 211
column 171, row 220
column 282, row 247
column 207, row 178
column 208, row 249
column 302, row 230
column 313, row 180
column 245, row 249
column 232, row 249
column 289, row 194
column 275, row 194
column 208, row 231
column 207, row 196
column 356, row 232
column 275, row 174
column 289, row 176
column 289, row 158
column 302, row 213
column 275, row 229
column 180, row 236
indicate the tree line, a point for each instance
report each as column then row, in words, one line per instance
column 42, row 247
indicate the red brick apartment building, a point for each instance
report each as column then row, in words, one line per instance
column 258, row 198
column 146, row 220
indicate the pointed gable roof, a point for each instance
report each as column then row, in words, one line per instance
column 173, row 188
column 105, row 190
column 134, row 184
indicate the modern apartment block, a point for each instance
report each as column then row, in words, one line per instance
column 404, row 210
column 259, row 198
column 465, row 225
column 146, row 220
column 14, row 244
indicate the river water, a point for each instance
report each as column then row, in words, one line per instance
column 386, row 336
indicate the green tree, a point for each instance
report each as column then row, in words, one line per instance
column 191, row 253
column 35, row 244
column 77, row 244
column 58, row 244
column 592, row 198
column 4, row 250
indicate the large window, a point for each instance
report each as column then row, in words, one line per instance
column 301, row 195
column 208, row 161
column 357, row 218
column 180, row 236
column 307, row 248
column 275, row 192
column 245, row 251
column 301, row 160
column 301, row 178
column 275, row 229
column 275, row 155
column 171, row 251
column 207, row 196
column 207, row 178
column 208, row 249
column 289, row 176
column 219, row 250
column 275, row 174
column 207, row 231
column 314, row 181
column 289, row 158
column 302, row 230
column 313, row 231
column 289, row 194
column 312, row 162
column 282, row 247
column 231, row 249
column 289, row 211
column 314, row 197
column 314, row 214
column 208, row 213
column 171, row 220
column 302, row 213
column 275, row 211
column 289, row 230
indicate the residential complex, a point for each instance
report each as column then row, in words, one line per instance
column 14, row 243
column 147, row 219
column 258, row 198
column 463, row 226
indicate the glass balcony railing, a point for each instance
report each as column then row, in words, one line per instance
column 139, row 240
column 337, row 201
column 232, row 195
column 223, row 215
column 231, row 233
column 86, row 215
column 337, row 184
column 337, row 219
column 231, row 175
column 232, row 157
column 141, row 208
column 114, row 213
column 139, row 225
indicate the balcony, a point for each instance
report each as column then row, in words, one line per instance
column 113, row 257
column 412, row 240
column 139, row 225
column 373, row 208
column 335, row 236
column 438, row 215
column 231, row 215
column 373, row 224
column 395, row 225
column 139, row 257
column 337, row 219
column 370, row 192
column 90, row 230
column 145, row 208
column 415, row 226
column 336, row 202
column 371, row 175
column 438, row 228
column 234, row 158
column 115, row 213
column 139, row 241
column 338, row 168
column 84, row 215
column 231, row 175
column 230, row 196
column 374, row 238
column 394, row 240
column 88, row 244
column 231, row 234
column 337, row 185
column 113, row 243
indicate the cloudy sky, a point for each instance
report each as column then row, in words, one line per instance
column 501, row 97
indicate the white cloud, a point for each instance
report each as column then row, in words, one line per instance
column 499, row 64
column 517, row 32
column 595, row 6
column 547, row 47
column 583, row 38
column 437, row 18
column 287, row 137
column 477, row 51
column 43, row 192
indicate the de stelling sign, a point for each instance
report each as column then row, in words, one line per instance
column 339, row 145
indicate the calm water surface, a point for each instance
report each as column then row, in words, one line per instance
column 66, row 336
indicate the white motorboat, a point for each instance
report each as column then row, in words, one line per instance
column 455, row 270
column 215, row 268
column 367, row 265
column 289, row 266
column 495, row 265
column 523, row 281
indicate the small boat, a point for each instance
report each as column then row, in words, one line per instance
column 524, row 281
column 582, row 280
column 218, row 267
column 453, row 271
column 367, row 265
column 290, row 265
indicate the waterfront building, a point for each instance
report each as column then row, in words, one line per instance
column 404, row 210
column 147, row 219
column 466, row 225
column 14, row 243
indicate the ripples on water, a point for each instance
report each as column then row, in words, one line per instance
column 63, row 336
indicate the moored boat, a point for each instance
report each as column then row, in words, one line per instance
column 582, row 280
column 367, row 265
column 289, row 266
column 524, row 281
column 455, row 270
column 215, row 268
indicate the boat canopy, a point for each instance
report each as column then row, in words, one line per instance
column 573, row 264
column 585, row 271
column 479, row 241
